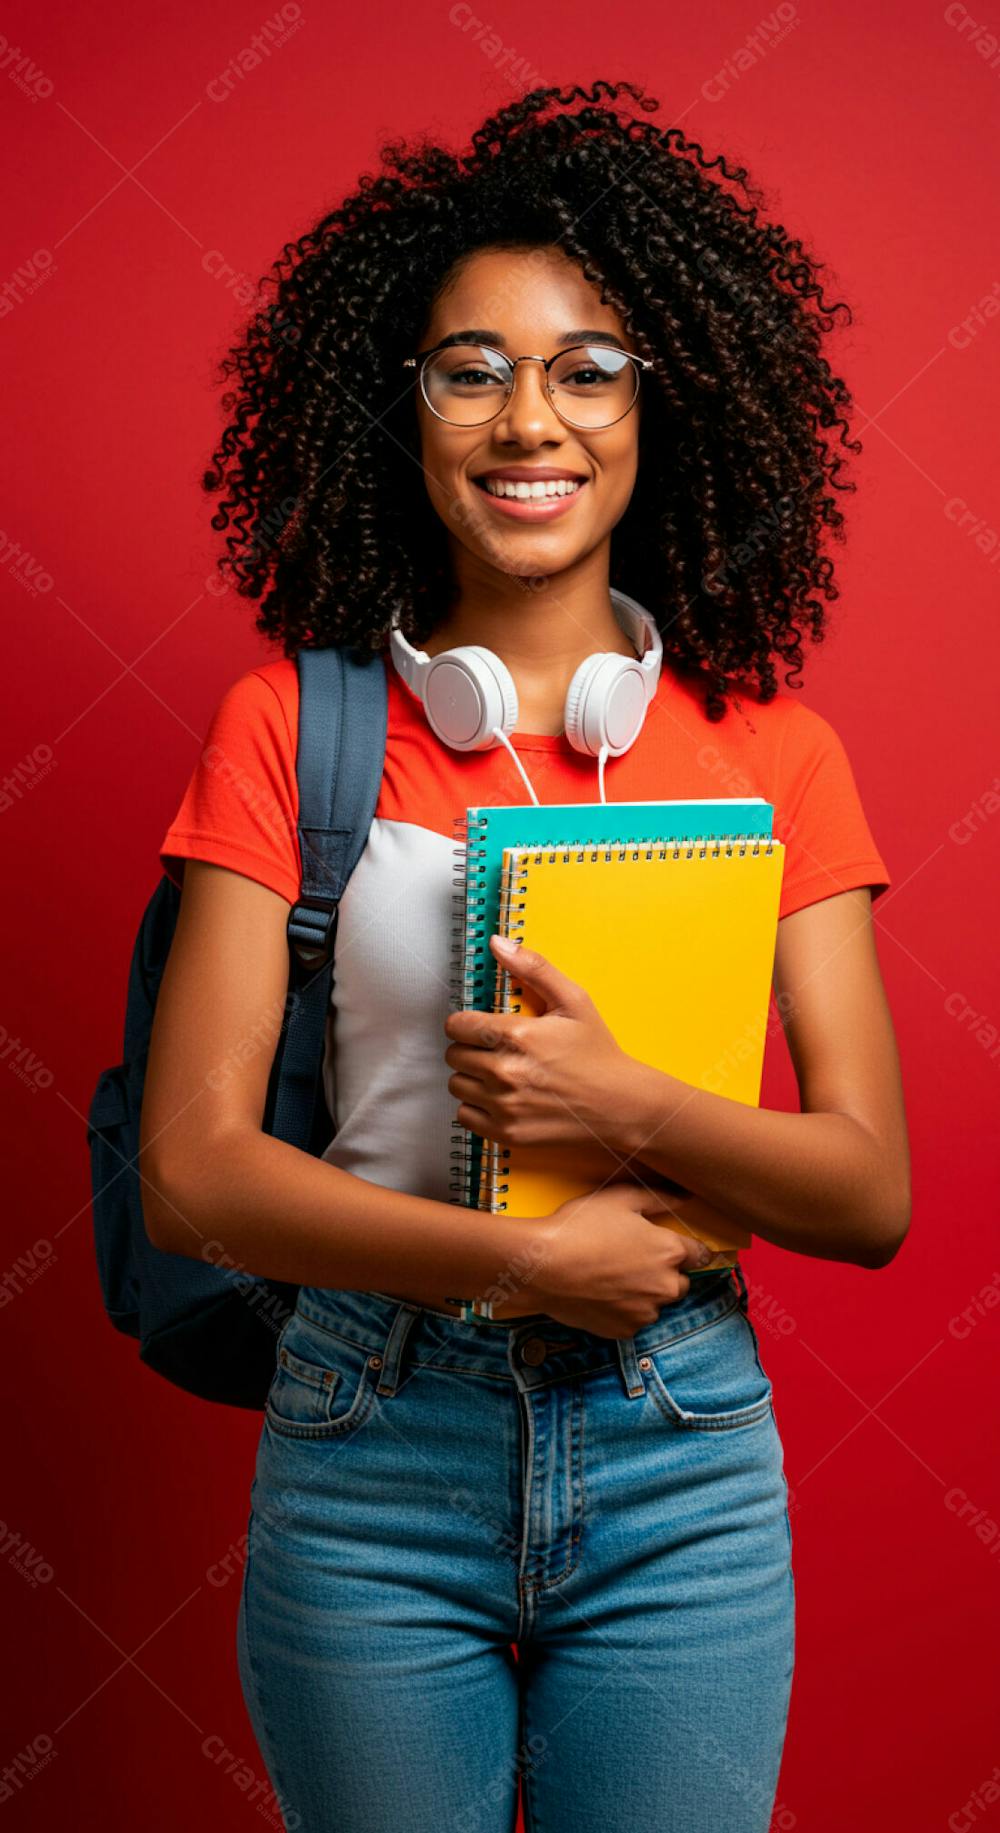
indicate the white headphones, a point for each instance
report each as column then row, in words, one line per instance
column 470, row 699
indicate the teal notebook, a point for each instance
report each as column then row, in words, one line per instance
column 485, row 832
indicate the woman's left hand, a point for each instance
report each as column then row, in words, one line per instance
column 560, row 1078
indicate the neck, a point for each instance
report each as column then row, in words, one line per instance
column 541, row 628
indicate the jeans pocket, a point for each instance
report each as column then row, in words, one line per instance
column 712, row 1378
column 323, row 1384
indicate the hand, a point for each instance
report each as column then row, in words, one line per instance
column 556, row 1079
column 608, row 1263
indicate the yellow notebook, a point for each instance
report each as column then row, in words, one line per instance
column 674, row 941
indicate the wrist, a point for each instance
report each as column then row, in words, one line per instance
column 530, row 1251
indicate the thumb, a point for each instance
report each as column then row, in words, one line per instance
column 696, row 1253
column 556, row 988
column 661, row 1207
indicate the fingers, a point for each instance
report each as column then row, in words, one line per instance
column 654, row 1205
column 649, row 1201
column 696, row 1253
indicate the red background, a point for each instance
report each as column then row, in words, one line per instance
column 872, row 138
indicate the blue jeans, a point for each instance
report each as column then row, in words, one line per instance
column 488, row 1556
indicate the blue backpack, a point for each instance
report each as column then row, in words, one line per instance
column 209, row 1327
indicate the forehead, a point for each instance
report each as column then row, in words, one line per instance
column 519, row 290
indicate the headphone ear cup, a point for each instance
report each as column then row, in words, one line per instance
column 576, row 701
column 605, row 704
column 466, row 692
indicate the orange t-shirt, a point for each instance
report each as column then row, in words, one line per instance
column 394, row 967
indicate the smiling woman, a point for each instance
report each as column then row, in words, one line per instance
column 740, row 421
column 565, row 473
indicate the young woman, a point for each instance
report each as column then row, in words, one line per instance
column 548, row 1547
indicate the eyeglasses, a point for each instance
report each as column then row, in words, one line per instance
column 589, row 385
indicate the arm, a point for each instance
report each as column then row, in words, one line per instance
column 833, row 1180
column 210, row 1175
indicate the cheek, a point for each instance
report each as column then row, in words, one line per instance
column 628, row 456
column 440, row 464
column 432, row 461
column 621, row 469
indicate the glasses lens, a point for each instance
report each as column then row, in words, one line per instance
column 466, row 383
column 592, row 385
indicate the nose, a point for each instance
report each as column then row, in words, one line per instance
column 528, row 414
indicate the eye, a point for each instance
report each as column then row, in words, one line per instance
column 585, row 376
column 471, row 378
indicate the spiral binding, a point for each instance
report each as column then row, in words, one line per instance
column 470, row 959
column 496, row 1156
column 479, row 1165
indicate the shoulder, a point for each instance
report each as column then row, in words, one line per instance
column 271, row 689
column 806, row 754
column 269, row 693
column 765, row 735
column 255, row 719
column 796, row 735
column 809, row 742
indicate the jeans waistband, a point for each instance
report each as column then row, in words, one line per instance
column 538, row 1346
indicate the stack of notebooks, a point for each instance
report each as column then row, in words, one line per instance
column 666, row 912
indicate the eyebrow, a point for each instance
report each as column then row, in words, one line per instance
column 497, row 338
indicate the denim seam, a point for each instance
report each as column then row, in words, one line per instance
column 532, row 1824
column 442, row 1364
column 756, row 1344
column 706, row 1323
column 528, row 1460
column 360, row 1408
column 576, row 1532
column 309, row 1373
column 267, row 1743
column 736, row 1419
column 436, row 1361
column 465, row 1365
column 709, row 1422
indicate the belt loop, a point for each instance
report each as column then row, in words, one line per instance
column 635, row 1387
column 741, row 1286
column 402, row 1324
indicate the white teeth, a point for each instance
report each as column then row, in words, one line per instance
column 561, row 486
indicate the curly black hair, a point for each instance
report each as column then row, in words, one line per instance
column 721, row 540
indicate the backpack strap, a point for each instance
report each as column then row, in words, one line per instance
column 343, row 716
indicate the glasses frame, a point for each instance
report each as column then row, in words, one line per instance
column 423, row 357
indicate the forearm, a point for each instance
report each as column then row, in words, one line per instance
column 287, row 1215
column 817, row 1183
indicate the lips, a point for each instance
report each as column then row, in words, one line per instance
column 519, row 502
column 529, row 474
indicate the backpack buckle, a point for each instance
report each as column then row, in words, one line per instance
column 312, row 928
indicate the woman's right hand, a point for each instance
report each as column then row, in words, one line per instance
column 606, row 1264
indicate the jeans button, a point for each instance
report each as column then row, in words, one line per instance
column 533, row 1351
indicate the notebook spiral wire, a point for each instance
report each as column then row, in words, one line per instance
column 470, row 963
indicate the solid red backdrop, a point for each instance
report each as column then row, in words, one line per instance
column 141, row 169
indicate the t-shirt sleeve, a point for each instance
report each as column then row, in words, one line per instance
column 829, row 846
column 240, row 808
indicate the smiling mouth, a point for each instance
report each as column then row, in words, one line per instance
column 517, row 500
column 521, row 491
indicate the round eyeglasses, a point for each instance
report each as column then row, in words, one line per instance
column 589, row 385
